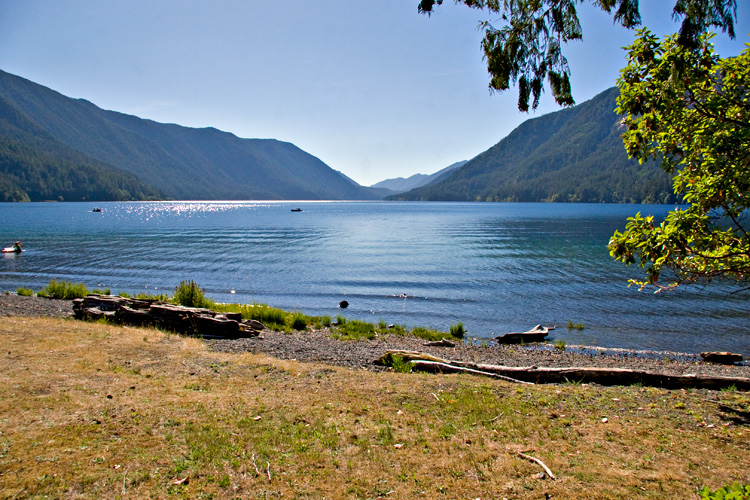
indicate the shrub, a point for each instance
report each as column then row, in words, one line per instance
column 734, row 492
column 298, row 321
column 457, row 330
column 189, row 294
column 400, row 365
column 25, row 292
column 106, row 291
column 575, row 326
column 63, row 290
column 559, row 345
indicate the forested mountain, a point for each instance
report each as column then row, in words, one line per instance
column 181, row 162
column 401, row 184
column 572, row 155
column 36, row 167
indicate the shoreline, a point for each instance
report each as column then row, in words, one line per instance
column 318, row 346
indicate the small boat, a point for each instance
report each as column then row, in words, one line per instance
column 13, row 249
column 97, row 210
column 296, row 210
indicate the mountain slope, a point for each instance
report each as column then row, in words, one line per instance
column 400, row 184
column 575, row 154
column 36, row 167
column 185, row 163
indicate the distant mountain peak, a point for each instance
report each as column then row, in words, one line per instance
column 401, row 184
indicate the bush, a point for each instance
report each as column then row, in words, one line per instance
column 189, row 294
column 734, row 492
column 457, row 331
column 575, row 326
column 298, row 321
column 25, row 292
column 401, row 365
column 63, row 290
column 106, row 291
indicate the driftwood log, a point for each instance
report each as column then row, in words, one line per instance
column 721, row 357
column 536, row 334
column 549, row 375
column 185, row 320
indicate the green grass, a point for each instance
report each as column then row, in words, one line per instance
column 63, row 290
column 575, row 326
column 25, row 292
column 355, row 330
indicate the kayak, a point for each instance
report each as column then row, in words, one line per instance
column 11, row 250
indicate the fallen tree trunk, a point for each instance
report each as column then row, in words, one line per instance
column 180, row 319
column 552, row 375
column 437, row 367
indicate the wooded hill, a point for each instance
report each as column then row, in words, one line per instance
column 36, row 167
column 53, row 146
column 572, row 155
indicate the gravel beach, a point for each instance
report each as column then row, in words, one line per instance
column 318, row 346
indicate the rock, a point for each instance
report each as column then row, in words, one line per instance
column 343, row 304
column 721, row 357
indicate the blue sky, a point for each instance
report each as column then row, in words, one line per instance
column 370, row 87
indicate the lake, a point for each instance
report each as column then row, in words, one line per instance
column 495, row 267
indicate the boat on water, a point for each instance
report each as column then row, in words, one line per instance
column 97, row 210
column 296, row 210
column 16, row 248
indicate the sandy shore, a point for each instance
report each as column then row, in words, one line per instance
column 318, row 346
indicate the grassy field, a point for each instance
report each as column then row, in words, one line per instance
column 97, row 411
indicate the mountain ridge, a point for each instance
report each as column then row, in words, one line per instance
column 182, row 162
column 572, row 155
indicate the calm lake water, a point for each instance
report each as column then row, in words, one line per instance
column 494, row 267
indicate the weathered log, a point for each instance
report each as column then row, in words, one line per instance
column 387, row 358
column 602, row 376
column 437, row 367
column 538, row 462
column 440, row 343
column 721, row 357
column 135, row 317
column 536, row 334
column 180, row 319
column 94, row 314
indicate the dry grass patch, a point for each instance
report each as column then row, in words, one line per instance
column 98, row 411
